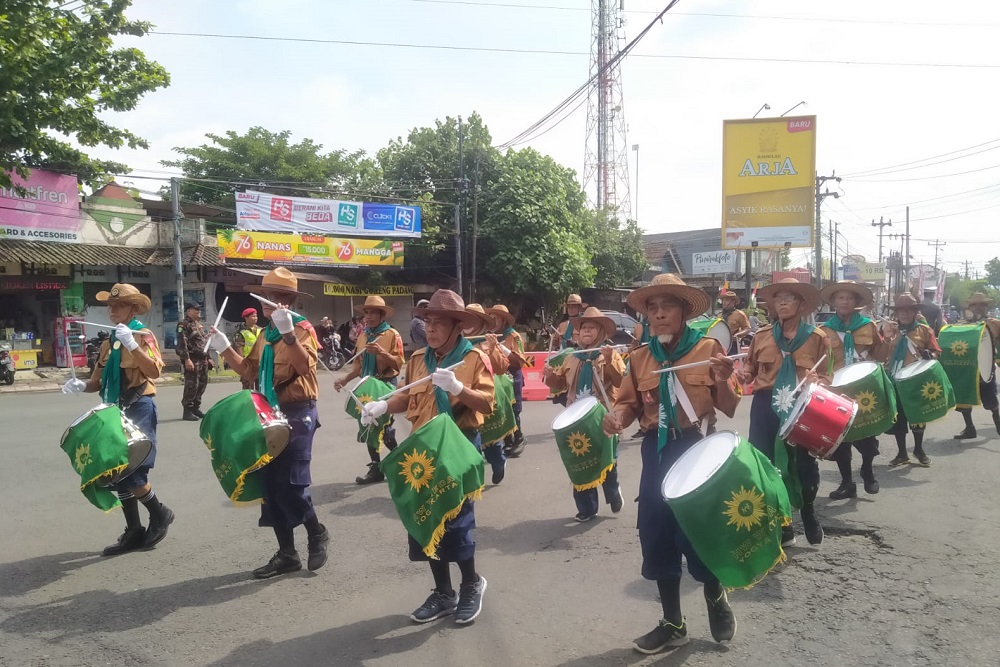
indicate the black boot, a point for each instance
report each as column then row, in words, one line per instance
column 518, row 447
column 847, row 489
column 810, row 522
column 918, row 448
column 373, row 475
column 868, row 475
column 317, row 549
column 189, row 415
column 996, row 420
column 196, row 411
column 970, row 430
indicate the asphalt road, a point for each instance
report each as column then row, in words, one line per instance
column 907, row 577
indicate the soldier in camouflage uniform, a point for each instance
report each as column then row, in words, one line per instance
column 191, row 350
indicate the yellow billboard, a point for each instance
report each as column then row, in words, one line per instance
column 768, row 182
column 336, row 289
column 305, row 249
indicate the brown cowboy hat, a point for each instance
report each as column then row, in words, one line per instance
column 807, row 292
column 979, row 297
column 447, row 303
column 905, row 301
column 575, row 300
column 376, row 303
column 729, row 294
column 501, row 316
column 863, row 295
column 126, row 293
column 486, row 323
column 695, row 300
column 595, row 315
column 278, row 281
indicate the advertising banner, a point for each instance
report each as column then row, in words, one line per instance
column 865, row 272
column 312, row 250
column 48, row 210
column 336, row 289
column 768, row 186
column 721, row 261
column 261, row 211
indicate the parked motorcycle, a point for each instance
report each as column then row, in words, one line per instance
column 332, row 355
column 6, row 364
column 94, row 349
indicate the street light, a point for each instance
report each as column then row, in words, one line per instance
column 635, row 147
column 793, row 108
column 766, row 106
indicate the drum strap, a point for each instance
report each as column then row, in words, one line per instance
column 687, row 406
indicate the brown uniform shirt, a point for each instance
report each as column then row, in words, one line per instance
column 565, row 377
column 388, row 365
column 867, row 342
column 498, row 361
column 764, row 358
column 515, row 344
column 575, row 336
column 474, row 374
column 737, row 321
column 923, row 340
column 289, row 385
column 639, row 396
column 133, row 377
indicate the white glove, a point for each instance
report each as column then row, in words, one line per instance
column 219, row 342
column 282, row 319
column 372, row 411
column 505, row 350
column 124, row 335
column 445, row 379
column 74, row 386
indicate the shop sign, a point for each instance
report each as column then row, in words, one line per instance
column 129, row 273
column 310, row 250
column 45, row 270
column 46, row 209
column 28, row 283
column 720, row 261
column 95, row 274
column 223, row 275
column 311, row 215
column 10, row 268
column 336, row 289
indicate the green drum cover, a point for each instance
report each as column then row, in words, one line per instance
column 959, row 356
column 875, row 396
column 235, row 439
column 96, row 447
column 925, row 391
column 371, row 389
column 587, row 453
column 501, row 422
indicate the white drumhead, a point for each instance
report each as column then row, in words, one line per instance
column 573, row 413
column 698, row 464
column 351, row 386
column 854, row 372
column 916, row 368
column 720, row 332
column 986, row 354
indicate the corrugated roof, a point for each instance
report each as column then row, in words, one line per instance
column 40, row 252
column 199, row 255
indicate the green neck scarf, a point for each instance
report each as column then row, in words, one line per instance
column 568, row 334
column 782, row 401
column 585, row 381
column 899, row 352
column 441, row 397
column 369, row 362
column 668, row 401
column 645, row 338
column 837, row 324
column 111, row 377
column 508, row 331
column 265, row 373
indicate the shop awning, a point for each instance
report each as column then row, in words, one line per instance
column 301, row 275
column 199, row 255
column 37, row 252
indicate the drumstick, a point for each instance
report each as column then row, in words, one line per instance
column 697, row 363
column 107, row 326
column 416, row 382
column 604, row 394
column 803, row 380
column 273, row 304
column 218, row 318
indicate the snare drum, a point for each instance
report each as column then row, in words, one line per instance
column 114, row 442
column 587, row 453
column 716, row 329
column 925, row 392
column 868, row 385
column 819, row 420
column 731, row 504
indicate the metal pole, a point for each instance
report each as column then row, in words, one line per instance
column 461, row 179
column 906, row 260
column 819, row 235
column 458, row 219
column 749, row 265
column 833, row 277
column 636, row 181
column 475, row 234
column 175, row 201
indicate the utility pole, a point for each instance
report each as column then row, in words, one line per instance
column 937, row 244
column 458, row 215
column 906, row 259
column 880, row 226
column 966, row 269
column 820, row 196
column 175, row 201
column 475, row 232
column 835, row 250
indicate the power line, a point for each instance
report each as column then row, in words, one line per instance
column 871, row 172
column 923, row 178
column 922, row 201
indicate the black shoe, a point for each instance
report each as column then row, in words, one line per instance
column 639, row 435
column 317, row 549
column 130, row 540
column 470, row 601
column 517, row 446
column 584, row 518
column 280, row 563
column 617, row 503
column 720, row 618
column 663, row 636
column 845, row 490
column 158, row 526
column 508, row 444
column 499, row 474
column 900, row 460
column 996, row 421
column 434, row 607
column 189, row 415
column 197, row 412
column 787, row 537
column 871, row 486
column 968, row 434
column 373, row 475
column 923, row 460
column 811, row 524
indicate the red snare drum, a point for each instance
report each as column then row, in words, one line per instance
column 276, row 429
column 819, row 420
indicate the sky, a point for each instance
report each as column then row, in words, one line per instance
column 892, row 84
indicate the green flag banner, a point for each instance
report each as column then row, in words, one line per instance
column 587, row 453
column 367, row 390
column 431, row 475
column 960, row 345
column 925, row 392
column 232, row 432
column 732, row 515
column 97, row 448
column 501, row 422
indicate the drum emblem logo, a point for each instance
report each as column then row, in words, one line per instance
column 866, row 401
column 959, row 348
column 208, row 442
column 83, row 458
column 578, row 443
column 931, row 391
column 746, row 509
column 417, row 470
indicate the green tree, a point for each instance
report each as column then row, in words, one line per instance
column 59, row 76
column 993, row 272
column 617, row 249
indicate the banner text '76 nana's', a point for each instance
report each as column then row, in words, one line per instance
column 768, row 187
column 310, row 250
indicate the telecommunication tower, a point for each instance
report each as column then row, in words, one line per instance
column 605, row 170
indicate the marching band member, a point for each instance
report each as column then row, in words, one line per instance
column 906, row 341
column 568, row 335
column 977, row 305
column 780, row 355
column 736, row 320
column 284, row 362
column 499, row 361
column 382, row 358
column 675, row 411
column 511, row 340
column 577, row 376
column 465, row 393
column 127, row 364
column 852, row 338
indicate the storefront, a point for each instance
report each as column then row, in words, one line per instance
column 29, row 308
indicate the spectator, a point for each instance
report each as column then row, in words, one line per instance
column 417, row 335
